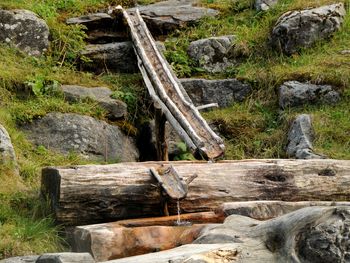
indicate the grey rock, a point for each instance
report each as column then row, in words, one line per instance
column 214, row 54
column 165, row 17
column 223, row 91
column 101, row 28
column 65, row 258
column 24, row 30
column 7, row 152
column 114, row 57
column 23, row 259
column 93, row 139
column 301, row 29
column 294, row 93
column 263, row 5
column 300, row 138
column 102, row 95
column 91, row 20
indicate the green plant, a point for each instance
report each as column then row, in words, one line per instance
column 41, row 86
column 183, row 152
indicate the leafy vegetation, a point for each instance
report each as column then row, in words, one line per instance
column 255, row 128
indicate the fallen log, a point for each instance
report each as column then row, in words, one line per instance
column 311, row 234
column 101, row 193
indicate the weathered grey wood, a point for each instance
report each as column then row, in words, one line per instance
column 101, row 193
column 164, row 87
column 263, row 210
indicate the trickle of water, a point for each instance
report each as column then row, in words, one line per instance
column 178, row 221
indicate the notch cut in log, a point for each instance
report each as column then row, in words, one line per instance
column 167, row 92
column 102, row 193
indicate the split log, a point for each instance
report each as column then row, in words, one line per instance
column 139, row 236
column 312, row 234
column 101, row 193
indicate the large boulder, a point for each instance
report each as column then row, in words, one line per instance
column 222, row 91
column 165, row 17
column 116, row 109
column 264, row 5
column 214, row 54
column 301, row 29
column 24, row 30
column 115, row 57
column 93, row 139
column 294, row 93
column 300, row 138
column 7, row 152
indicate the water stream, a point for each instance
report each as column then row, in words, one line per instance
column 178, row 221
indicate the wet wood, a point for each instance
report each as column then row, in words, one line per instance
column 101, row 193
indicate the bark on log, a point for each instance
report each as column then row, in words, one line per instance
column 92, row 193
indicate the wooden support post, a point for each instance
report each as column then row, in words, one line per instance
column 161, row 144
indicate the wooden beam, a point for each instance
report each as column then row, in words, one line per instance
column 101, row 193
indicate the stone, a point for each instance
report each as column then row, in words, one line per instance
column 7, row 152
column 116, row 57
column 113, row 57
column 116, row 109
column 92, row 139
column 101, row 28
column 264, row 5
column 300, row 139
column 301, row 29
column 294, row 93
column 223, row 91
column 23, row 259
column 24, row 30
column 92, row 21
column 66, row 257
column 167, row 16
column 214, row 54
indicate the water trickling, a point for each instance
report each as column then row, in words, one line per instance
column 178, row 221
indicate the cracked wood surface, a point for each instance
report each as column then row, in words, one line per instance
column 101, row 193
column 166, row 90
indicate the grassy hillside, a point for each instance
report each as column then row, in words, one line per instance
column 255, row 128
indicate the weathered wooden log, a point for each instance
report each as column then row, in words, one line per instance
column 311, row 234
column 100, row 193
column 264, row 210
column 139, row 236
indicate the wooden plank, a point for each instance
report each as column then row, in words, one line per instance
column 101, row 193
